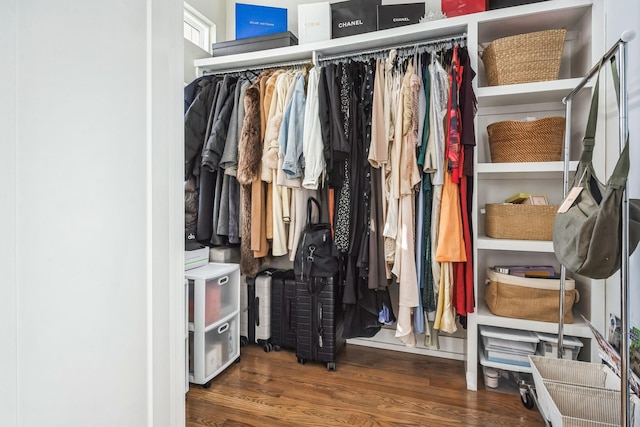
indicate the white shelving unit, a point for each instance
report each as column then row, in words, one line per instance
column 584, row 20
column 496, row 182
column 186, row 335
column 213, row 319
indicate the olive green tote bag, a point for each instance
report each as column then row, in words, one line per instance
column 587, row 237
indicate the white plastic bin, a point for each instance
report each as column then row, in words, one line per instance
column 548, row 346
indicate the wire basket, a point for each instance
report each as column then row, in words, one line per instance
column 531, row 57
column 520, row 222
column 572, row 372
column 526, row 141
column 577, row 406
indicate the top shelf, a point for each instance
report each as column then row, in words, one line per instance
column 525, row 93
column 530, row 18
column 481, row 27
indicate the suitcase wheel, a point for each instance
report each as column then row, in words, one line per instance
column 267, row 347
column 207, row 384
column 331, row 366
column 277, row 347
column 301, row 361
column 243, row 341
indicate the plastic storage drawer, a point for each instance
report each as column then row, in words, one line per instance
column 219, row 347
column 213, row 294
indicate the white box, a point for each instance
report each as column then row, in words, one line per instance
column 196, row 258
column 230, row 254
column 314, row 22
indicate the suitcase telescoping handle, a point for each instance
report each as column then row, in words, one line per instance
column 256, row 310
column 287, row 310
column 320, row 324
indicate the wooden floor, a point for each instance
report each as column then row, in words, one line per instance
column 370, row 387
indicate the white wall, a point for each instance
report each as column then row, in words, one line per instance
column 8, row 284
column 90, row 215
column 623, row 15
column 292, row 13
column 191, row 53
column 216, row 12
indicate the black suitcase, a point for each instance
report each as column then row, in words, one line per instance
column 319, row 320
column 283, row 309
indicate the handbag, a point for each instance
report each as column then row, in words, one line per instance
column 587, row 236
column 315, row 252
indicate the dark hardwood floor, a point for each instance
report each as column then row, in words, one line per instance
column 370, row 387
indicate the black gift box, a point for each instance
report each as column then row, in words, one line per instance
column 252, row 44
column 353, row 17
column 397, row 15
column 499, row 4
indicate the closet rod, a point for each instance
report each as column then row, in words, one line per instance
column 276, row 65
column 625, row 37
column 459, row 37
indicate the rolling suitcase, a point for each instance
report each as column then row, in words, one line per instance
column 255, row 319
column 319, row 320
column 283, row 306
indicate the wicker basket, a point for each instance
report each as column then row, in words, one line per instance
column 526, row 141
column 520, row 222
column 529, row 298
column 531, row 57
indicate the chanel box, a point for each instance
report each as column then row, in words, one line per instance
column 314, row 22
column 354, row 17
column 397, row 15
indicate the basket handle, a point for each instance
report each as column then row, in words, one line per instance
column 481, row 48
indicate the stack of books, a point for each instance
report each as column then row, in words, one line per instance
column 536, row 271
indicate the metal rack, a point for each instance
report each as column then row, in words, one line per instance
column 619, row 51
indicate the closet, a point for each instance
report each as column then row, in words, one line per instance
column 584, row 21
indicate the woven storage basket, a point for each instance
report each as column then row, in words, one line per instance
column 531, row 57
column 520, row 222
column 526, row 141
column 528, row 298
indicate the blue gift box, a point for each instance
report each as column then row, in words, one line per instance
column 253, row 20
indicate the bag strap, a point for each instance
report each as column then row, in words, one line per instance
column 621, row 171
column 310, row 202
column 589, row 140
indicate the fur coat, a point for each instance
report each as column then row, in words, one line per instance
column 249, row 159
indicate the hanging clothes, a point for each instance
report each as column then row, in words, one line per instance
column 312, row 144
column 378, row 155
column 249, row 159
column 404, row 267
column 434, row 160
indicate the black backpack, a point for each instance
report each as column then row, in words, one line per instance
column 315, row 253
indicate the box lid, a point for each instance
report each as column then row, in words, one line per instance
column 211, row 270
column 566, row 340
column 255, row 20
column 508, row 334
column 266, row 37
